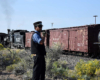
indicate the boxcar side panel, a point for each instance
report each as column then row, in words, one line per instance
column 65, row 39
column 78, row 39
column 82, row 40
column 55, row 37
column 28, row 39
column 72, row 40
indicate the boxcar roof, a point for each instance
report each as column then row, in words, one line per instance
column 75, row 27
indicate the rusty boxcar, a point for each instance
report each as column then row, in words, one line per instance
column 28, row 40
column 77, row 39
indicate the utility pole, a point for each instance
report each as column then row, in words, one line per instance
column 52, row 24
column 95, row 18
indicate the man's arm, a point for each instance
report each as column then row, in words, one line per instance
column 42, row 41
column 38, row 39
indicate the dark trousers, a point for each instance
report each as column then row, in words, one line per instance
column 39, row 68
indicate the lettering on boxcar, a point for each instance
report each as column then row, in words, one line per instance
column 28, row 40
column 80, row 44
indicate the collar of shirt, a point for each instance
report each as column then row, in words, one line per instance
column 37, row 32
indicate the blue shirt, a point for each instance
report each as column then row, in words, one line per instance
column 37, row 37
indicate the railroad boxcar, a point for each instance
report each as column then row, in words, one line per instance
column 28, row 39
column 76, row 39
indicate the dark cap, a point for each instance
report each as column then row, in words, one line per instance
column 38, row 23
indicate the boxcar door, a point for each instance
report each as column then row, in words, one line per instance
column 72, row 40
column 55, row 38
column 82, row 40
column 65, row 40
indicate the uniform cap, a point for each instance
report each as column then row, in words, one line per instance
column 38, row 23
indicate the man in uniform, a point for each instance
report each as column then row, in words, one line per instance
column 39, row 52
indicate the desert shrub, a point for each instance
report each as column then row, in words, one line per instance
column 9, row 57
column 97, row 72
column 17, row 50
column 11, row 67
column 53, row 54
column 72, row 73
column 21, row 67
column 16, row 60
column 1, row 47
column 63, row 63
column 29, row 62
column 58, row 70
column 28, row 75
column 87, row 69
column 7, row 61
column 23, row 54
column 14, row 56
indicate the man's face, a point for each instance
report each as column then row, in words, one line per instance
column 39, row 28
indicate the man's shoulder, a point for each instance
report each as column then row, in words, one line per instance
column 35, row 34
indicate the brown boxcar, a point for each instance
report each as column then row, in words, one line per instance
column 28, row 39
column 79, row 39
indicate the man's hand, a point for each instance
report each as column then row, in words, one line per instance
column 42, row 41
column 43, row 34
column 43, row 38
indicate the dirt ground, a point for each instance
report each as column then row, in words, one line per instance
column 10, row 76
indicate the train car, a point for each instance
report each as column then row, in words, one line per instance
column 17, row 38
column 28, row 40
column 59, row 37
column 76, row 39
column 3, row 39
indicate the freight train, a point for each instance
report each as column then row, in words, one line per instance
column 79, row 39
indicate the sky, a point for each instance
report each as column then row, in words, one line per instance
column 21, row 14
